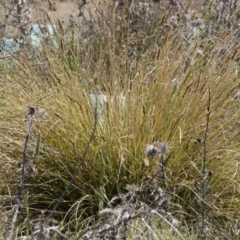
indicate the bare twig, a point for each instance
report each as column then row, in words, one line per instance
column 204, row 172
column 30, row 118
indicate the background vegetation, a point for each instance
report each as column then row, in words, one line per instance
column 150, row 92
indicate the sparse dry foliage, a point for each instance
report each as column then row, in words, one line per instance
column 132, row 120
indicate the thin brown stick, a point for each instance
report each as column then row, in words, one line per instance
column 30, row 118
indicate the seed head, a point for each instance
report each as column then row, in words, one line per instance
column 156, row 149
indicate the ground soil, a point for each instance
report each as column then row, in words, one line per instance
column 56, row 9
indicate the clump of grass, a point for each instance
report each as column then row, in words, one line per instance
column 160, row 95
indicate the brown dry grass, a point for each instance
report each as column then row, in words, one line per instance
column 165, row 80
